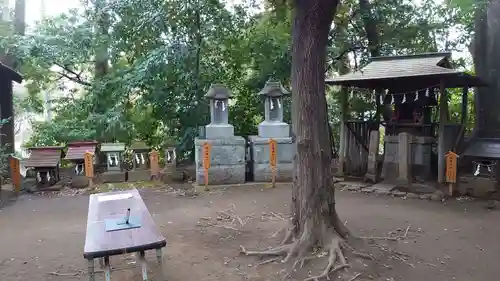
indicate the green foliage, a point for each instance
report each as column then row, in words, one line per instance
column 138, row 70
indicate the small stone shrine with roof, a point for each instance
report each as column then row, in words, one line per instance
column 76, row 155
column 227, row 163
column 140, row 157
column 111, row 155
column 272, row 127
column 46, row 163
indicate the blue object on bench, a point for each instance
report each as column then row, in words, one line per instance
column 121, row 223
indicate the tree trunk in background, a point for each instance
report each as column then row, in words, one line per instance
column 7, row 103
column 313, row 192
column 102, row 26
column 373, row 38
column 487, row 66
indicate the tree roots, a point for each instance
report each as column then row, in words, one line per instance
column 334, row 246
column 298, row 249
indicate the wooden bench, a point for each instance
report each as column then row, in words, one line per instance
column 101, row 243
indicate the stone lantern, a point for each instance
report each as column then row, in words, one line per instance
column 227, row 151
column 219, row 126
column 273, row 125
column 274, row 128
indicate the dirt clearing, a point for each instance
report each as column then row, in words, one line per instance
column 42, row 238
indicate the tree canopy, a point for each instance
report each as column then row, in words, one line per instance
column 131, row 69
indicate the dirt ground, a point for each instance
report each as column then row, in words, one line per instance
column 446, row 241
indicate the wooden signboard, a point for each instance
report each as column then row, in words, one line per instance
column 15, row 173
column 89, row 166
column 153, row 162
column 451, row 169
column 206, row 161
column 273, row 159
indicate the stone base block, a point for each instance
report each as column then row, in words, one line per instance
column 477, row 187
column 269, row 129
column 79, row 182
column 169, row 175
column 112, row 176
column 390, row 171
column 233, row 174
column 218, row 131
column 227, row 161
column 264, row 173
column 138, row 175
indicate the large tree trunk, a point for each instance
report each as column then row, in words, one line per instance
column 487, row 66
column 313, row 192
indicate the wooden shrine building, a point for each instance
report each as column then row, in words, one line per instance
column 45, row 161
column 406, row 90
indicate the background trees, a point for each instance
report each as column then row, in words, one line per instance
column 139, row 69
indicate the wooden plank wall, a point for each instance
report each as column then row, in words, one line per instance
column 358, row 137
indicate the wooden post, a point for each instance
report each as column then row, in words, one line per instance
column 154, row 167
column 343, row 133
column 465, row 97
column 443, row 119
column 15, row 173
column 451, row 170
column 89, row 167
column 273, row 159
column 206, row 162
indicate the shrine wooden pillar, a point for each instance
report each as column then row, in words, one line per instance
column 443, row 119
column 343, row 130
column 465, row 98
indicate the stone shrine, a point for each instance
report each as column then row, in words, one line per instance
column 227, row 153
column 272, row 127
column 111, row 159
column 170, row 173
column 140, row 158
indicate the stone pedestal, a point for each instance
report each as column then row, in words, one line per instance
column 419, row 158
column 227, row 161
column 217, row 131
column 138, row 175
column 79, row 182
column 170, row 174
column 274, row 129
column 112, row 176
column 260, row 154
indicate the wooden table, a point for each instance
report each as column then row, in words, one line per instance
column 101, row 244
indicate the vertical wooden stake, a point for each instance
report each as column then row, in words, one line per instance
column 272, row 160
column 15, row 174
column 451, row 170
column 89, row 167
column 206, row 162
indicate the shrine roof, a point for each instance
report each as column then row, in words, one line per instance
column 44, row 157
column 483, row 148
column 408, row 72
column 76, row 150
column 9, row 73
column 139, row 146
column 112, row 147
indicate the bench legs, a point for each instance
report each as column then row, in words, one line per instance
column 144, row 265
column 107, row 269
column 159, row 256
column 104, row 263
column 91, row 270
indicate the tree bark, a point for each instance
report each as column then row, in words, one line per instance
column 313, row 199
column 487, row 66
